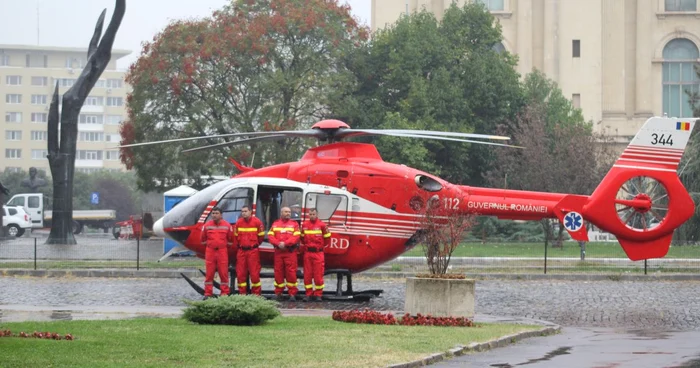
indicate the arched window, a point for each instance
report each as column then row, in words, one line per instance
column 679, row 78
column 499, row 48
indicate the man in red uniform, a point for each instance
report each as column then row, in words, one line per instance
column 314, row 238
column 249, row 234
column 284, row 236
column 217, row 237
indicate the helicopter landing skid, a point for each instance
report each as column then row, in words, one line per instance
column 338, row 295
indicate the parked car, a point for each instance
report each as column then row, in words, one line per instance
column 16, row 220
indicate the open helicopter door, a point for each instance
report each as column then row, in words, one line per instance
column 270, row 200
column 332, row 209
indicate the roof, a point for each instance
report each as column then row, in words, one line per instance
column 181, row 191
column 116, row 53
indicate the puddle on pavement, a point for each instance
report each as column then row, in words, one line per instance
column 61, row 315
column 554, row 353
column 649, row 334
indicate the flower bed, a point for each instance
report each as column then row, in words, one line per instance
column 36, row 335
column 377, row 318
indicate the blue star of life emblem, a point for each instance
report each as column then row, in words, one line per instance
column 573, row 221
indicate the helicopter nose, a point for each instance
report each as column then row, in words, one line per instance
column 158, row 229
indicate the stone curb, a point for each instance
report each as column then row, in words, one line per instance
column 151, row 273
column 460, row 350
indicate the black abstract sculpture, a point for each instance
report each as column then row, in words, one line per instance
column 62, row 156
column 32, row 182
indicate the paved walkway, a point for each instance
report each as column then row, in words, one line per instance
column 671, row 305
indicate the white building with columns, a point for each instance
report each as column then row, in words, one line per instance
column 620, row 61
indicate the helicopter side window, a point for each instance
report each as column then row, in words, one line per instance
column 232, row 202
column 332, row 208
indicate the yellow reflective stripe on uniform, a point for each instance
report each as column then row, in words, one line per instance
column 247, row 229
column 262, row 233
column 279, row 285
column 282, row 229
column 312, row 231
column 294, row 284
column 296, row 233
column 255, row 284
column 309, row 286
column 327, row 235
column 319, row 287
column 271, row 232
column 243, row 284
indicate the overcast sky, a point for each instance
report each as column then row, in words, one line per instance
column 70, row 23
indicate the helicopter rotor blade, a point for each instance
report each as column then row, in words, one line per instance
column 447, row 139
column 290, row 133
column 361, row 132
column 277, row 137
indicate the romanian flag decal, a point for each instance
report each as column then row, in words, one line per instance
column 682, row 126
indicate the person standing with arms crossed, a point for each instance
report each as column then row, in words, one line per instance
column 248, row 233
column 217, row 237
column 284, row 236
column 314, row 238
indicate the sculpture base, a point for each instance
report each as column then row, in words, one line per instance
column 440, row 297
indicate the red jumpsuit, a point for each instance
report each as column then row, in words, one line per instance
column 217, row 237
column 286, row 231
column 249, row 235
column 314, row 237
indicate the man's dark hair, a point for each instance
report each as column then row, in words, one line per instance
column 312, row 209
column 217, row 209
column 245, row 206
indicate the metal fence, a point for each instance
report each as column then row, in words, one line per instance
column 102, row 251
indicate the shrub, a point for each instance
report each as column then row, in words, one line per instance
column 244, row 310
column 376, row 318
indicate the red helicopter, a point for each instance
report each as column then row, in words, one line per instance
column 374, row 208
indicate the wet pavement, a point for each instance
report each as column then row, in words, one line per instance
column 592, row 347
column 96, row 247
column 668, row 305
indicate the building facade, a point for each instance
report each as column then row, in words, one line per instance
column 620, row 61
column 28, row 76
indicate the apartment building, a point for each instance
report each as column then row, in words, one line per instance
column 620, row 61
column 28, row 76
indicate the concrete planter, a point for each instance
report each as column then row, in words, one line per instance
column 440, row 297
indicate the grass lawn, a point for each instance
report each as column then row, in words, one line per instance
column 282, row 342
column 571, row 249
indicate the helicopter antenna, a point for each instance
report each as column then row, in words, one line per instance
column 252, row 159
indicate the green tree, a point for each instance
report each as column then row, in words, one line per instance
column 421, row 73
column 251, row 66
column 690, row 176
